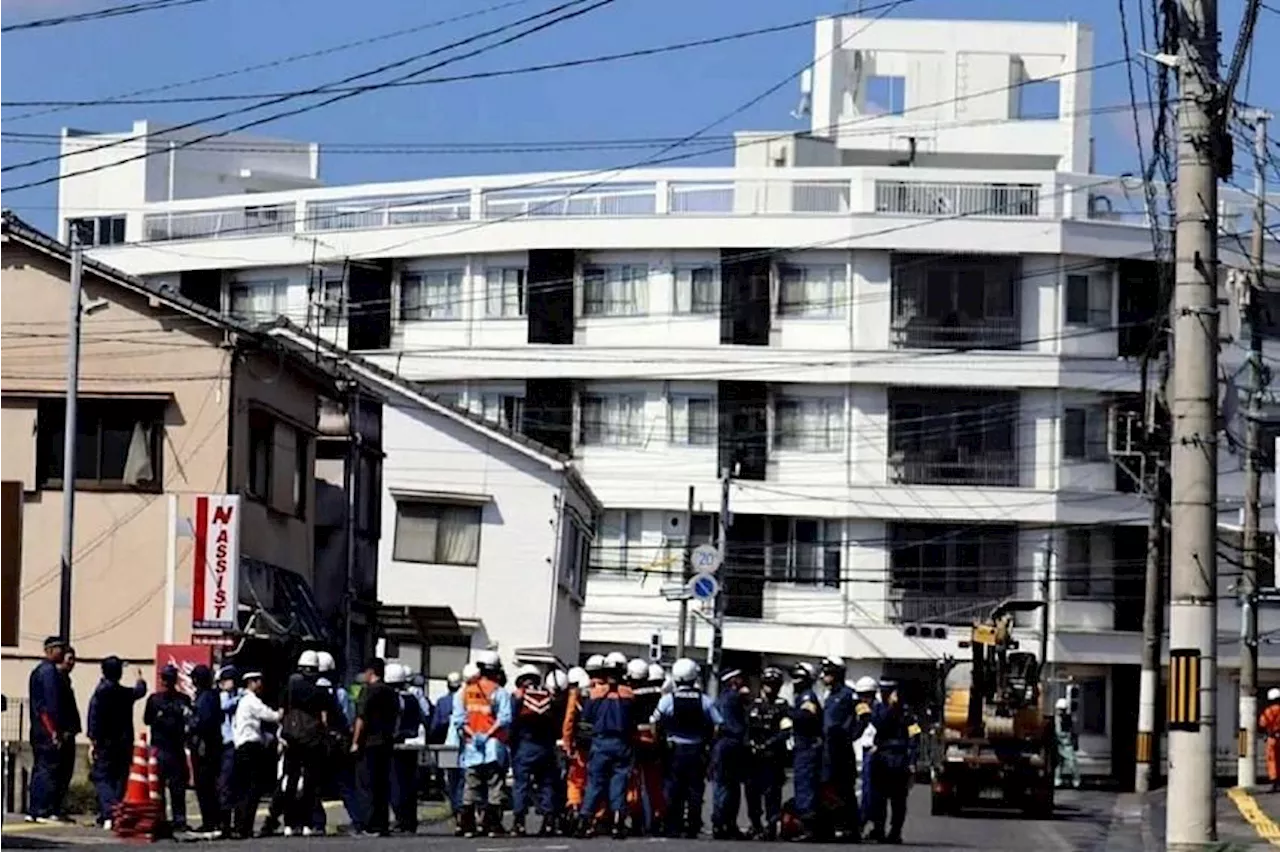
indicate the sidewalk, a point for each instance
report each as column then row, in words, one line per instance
column 1259, row 810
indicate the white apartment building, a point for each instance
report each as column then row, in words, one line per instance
column 913, row 332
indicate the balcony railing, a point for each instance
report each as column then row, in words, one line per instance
column 910, row 607
column 220, row 223
column 954, row 467
column 934, row 333
column 918, row 198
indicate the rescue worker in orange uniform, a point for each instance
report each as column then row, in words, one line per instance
column 644, row 792
column 483, row 718
column 1270, row 726
column 577, row 742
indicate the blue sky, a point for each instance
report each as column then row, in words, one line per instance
column 669, row 95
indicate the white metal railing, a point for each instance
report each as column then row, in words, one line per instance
column 816, row 191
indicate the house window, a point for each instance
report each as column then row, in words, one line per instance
column 612, row 420
column 331, row 300
column 302, row 472
column 697, row 290
column 1084, row 433
column 693, row 420
column 97, row 230
column 437, row 533
column 11, row 556
column 1089, row 300
column 443, row 659
column 812, row 424
column 803, row 550
column 262, row 453
column 575, row 556
column 811, row 291
column 1077, row 566
column 259, row 301
column 431, row 295
column 507, row 410
column 1093, row 706
column 119, row 443
column 618, row 547
column 504, row 292
column 615, row 291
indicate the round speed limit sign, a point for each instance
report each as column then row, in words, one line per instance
column 706, row 559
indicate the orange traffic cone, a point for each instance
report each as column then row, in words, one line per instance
column 153, row 776
column 135, row 816
column 136, row 792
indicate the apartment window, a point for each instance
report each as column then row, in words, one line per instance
column 97, row 230
column 811, row 291
column 1077, row 566
column 437, row 533
column 812, row 424
column 612, row 420
column 302, row 471
column 693, row 420
column 260, row 301
column 697, row 290
column 575, row 556
column 11, row 558
column 262, row 453
column 615, row 291
column 1084, row 433
column 803, row 550
column 119, row 443
column 431, row 295
column 504, row 292
column 507, row 410
column 331, row 299
column 618, row 546
column 1089, row 300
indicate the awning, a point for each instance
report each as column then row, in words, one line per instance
column 539, row 655
column 418, row 623
column 285, row 602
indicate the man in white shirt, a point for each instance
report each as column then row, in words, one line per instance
column 253, row 757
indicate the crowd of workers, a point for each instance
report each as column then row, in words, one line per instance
column 613, row 747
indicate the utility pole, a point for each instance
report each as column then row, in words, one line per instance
column 352, row 482
column 717, row 629
column 1247, row 735
column 74, row 316
column 1046, row 587
column 685, row 567
column 1152, row 628
column 1190, row 821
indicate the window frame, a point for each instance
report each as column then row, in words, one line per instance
column 261, row 425
column 94, row 227
column 1077, row 564
column 326, row 315
column 99, row 411
column 279, row 298
column 686, row 288
column 836, row 284
column 803, row 442
column 707, row 436
column 423, row 281
column 441, row 506
column 1090, row 445
column 824, row 545
column 630, row 279
column 1092, row 308
column 635, row 428
column 507, row 410
column 495, row 305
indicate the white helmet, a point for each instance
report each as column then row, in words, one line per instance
column 685, row 670
column 595, row 664
column 578, row 677
column 396, row 673
column 470, row 672
column 866, row 683
column 616, row 661
column 308, row 660
column 453, row 680
column 1061, row 703
column 325, row 659
column 528, row 670
column 637, row 670
column 488, row 661
column 557, row 680
column 1273, row 694
column 657, row 674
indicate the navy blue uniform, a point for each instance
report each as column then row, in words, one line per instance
column 891, row 765
column 806, row 756
column 608, row 711
column 838, row 768
column 862, row 718
column 404, row 765
column 767, row 739
column 167, row 713
column 534, row 731
column 729, row 761
column 47, row 737
column 206, row 755
column 69, row 725
column 687, row 720
column 111, row 732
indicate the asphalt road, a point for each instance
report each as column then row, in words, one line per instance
column 1084, row 821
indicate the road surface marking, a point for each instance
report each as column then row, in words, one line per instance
column 1248, row 807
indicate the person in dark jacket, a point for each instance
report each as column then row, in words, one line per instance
column 206, row 747
column 71, row 727
column 839, row 721
column 228, row 700
column 892, row 763
column 167, row 712
column 806, row 758
column 438, row 734
column 686, row 719
column 729, row 756
column 768, row 726
column 47, row 734
column 111, row 735
column 608, row 709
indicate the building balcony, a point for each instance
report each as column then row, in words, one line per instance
column 955, row 333
column 955, row 466
column 915, row 607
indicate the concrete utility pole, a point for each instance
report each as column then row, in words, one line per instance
column 1190, row 822
column 685, row 566
column 1152, row 628
column 74, row 316
column 1247, row 735
column 717, row 630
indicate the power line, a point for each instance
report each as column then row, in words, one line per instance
column 99, row 14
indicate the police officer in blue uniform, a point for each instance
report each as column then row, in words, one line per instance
column 228, row 700
column 686, row 719
column 892, row 763
column 729, row 756
column 865, row 692
column 806, row 755
column 839, row 718
column 206, row 747
column 404, row 758
column 768, row 725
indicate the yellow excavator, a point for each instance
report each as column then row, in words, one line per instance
column 994, row 743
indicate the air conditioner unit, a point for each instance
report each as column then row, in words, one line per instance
column 1125, row 433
